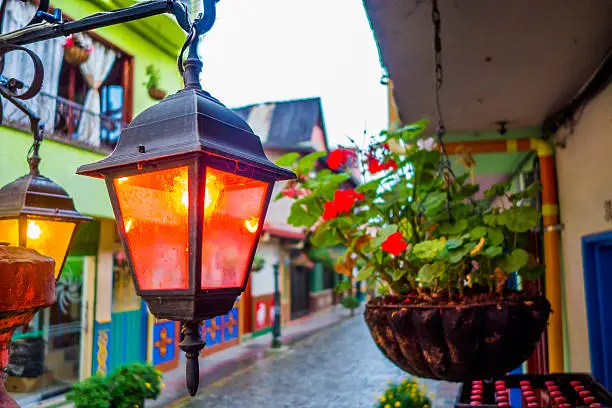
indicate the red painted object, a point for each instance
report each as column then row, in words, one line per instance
column 27, row 284
column 536, row 391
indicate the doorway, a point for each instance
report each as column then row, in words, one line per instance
column 300, row 291
column 128, row 318
column 597, row 261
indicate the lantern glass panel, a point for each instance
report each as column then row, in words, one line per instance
column 50, row 238
column 9, row 231
column 154, row 212
column 233, row 213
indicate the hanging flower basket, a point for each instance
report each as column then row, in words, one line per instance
column 443, row 253
column 458, row 343
column 157, row 94
column 75, row 51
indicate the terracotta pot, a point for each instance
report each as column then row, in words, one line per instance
column 157, row 94
column 458, row 343
column 75, row 55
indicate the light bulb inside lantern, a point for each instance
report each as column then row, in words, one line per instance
column 251, row 224
column 34, row 230
column 128, row 225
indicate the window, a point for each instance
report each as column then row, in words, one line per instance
column 68, row 105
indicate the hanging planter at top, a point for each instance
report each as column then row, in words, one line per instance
column 441, row 256
column 76, row 52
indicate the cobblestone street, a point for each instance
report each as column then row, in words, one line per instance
column 339, row 367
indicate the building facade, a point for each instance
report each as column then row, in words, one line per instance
column 84, row 106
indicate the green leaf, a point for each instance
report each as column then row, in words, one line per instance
column 496, row 237
column 490, row 219
column 369, row 186
column 478, row 232
column 497, row 190
column 287, row 160
column 530, row 192
column 458, row 227
column 454, row 243
column 428, row 250
column 397, row 274
column 343, row 286
column 492, row 251
column 365, row 272
column 325, row 236
column 382, row 235
column 457, row 256
column 515, row 261
column 429, row 272
column 303, row 214
column 532, row 273
column 307, row 163
column 520, row 218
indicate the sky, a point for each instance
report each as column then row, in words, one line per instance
column 274, row 50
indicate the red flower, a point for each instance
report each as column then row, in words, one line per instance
column 339, row 158
column 394, row 244
column 291, row 191
column 344, row 200
column 374, row 165
column 331, row 211
column 69, row 42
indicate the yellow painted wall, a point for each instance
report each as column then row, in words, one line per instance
column 583, row 172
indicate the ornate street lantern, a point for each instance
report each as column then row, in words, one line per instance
column 190, row 185
column 37, row 213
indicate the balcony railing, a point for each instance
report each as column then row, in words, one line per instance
column 62, row 118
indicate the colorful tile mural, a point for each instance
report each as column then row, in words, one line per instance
column 220, row 332
column 165, row 344
column 102, row 339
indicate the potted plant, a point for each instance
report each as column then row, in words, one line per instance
column 90, row 393
column 258, row 263
column 407, row 394
column 76, row 52
column 152, row 83
column 131, row 384
column 440, row 254
column 127, row 387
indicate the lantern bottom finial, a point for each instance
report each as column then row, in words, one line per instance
column 192, row 344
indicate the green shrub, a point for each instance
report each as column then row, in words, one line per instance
column 131, row 384
column 91, row 393
column 407, row 394
column 350, row 302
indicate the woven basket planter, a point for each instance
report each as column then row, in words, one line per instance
column 458, row 343
column 157, row 94
column 75, row 55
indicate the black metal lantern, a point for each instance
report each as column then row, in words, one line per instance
column 37, row 213
column 190, row 185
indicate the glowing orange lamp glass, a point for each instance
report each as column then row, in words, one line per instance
column 190, row 186
column 38, row 214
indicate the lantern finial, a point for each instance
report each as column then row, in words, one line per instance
column 191, row 345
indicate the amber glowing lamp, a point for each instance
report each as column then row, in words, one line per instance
column 38, row 214
column 190, row 185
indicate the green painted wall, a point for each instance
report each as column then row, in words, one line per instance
column 140, row 39
column 316, row 278
column 493, row 163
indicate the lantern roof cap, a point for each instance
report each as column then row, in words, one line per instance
column 189, row 121
column 37, row 195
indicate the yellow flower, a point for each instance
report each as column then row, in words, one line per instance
column 478, row 247
column 442, row 239
column 404, row 381
column 387, row 406
column 163, row 385
column 148, row 385
column 383, row 398
column 398, row 404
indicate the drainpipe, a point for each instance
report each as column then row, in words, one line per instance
column 551, row 226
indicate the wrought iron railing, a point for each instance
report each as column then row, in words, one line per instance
column 62, row 119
